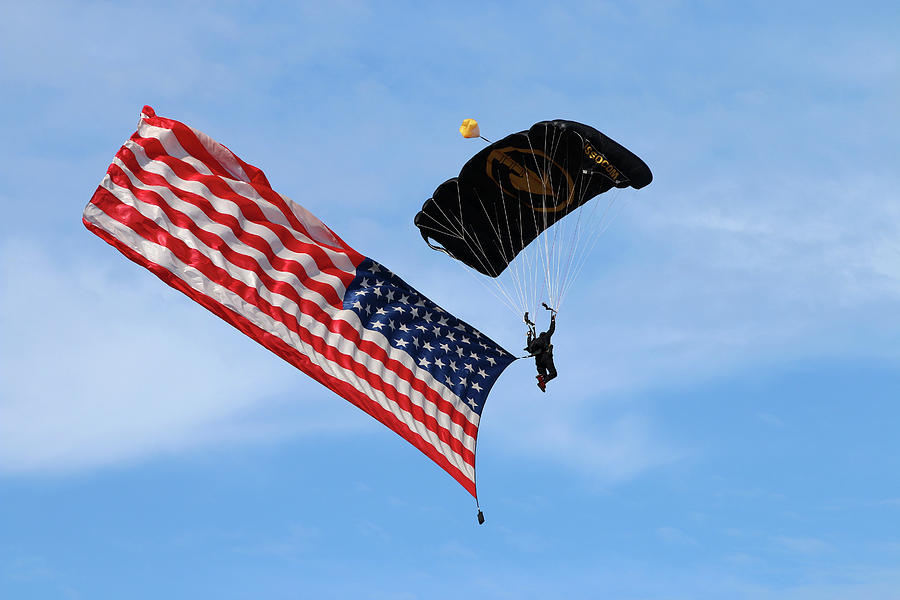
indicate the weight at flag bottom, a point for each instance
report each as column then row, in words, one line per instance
column 210, row 225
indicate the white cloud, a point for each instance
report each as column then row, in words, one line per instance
column 97, row 368
column 804, row 545
column 577, row 424
column 722, row 279
column 673, row 535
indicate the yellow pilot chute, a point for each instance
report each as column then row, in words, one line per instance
column 469, row 129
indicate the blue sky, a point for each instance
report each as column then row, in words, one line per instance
column 724, row 424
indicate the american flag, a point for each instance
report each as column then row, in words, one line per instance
column 185, row 207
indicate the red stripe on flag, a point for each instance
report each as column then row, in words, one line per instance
column 187, row 139
column 237, row 258
column 290, row 292
column 152, row 232
column 292, row 356
column 249, row 209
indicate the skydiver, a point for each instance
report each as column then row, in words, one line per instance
column 541, row 349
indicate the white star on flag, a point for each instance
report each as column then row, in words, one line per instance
column 210, row 225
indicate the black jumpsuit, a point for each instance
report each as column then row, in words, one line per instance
column 542, row 350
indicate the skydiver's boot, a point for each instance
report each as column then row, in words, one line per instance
column 541, row 383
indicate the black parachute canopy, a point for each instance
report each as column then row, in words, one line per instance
column 514, row 189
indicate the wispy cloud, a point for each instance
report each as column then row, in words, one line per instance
column 96, row 370
column 673, row 535
column 297, row 542
column 804, row 545
column 604, row 441
column 28, row 568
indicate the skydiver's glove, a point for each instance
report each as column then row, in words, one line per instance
column 528, row 322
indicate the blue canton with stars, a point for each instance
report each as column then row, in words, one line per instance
column 455, row 353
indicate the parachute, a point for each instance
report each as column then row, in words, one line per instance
column 529, row 185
